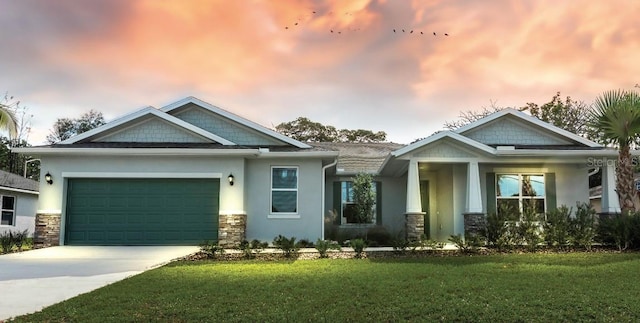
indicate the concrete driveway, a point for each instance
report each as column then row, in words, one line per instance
column 32, row 280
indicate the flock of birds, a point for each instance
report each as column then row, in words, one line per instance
column 307, row 17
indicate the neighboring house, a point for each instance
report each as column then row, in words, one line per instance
column 19, row 201
column 191, row 171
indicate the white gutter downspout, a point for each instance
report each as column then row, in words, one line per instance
column 594, row 171
column 324, row 184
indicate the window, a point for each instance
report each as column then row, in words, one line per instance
column 347, row 207
column 8, row 210
column 520, row 192
column 284, row 190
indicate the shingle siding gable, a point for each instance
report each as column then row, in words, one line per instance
column 153, row 131
column 223, row 128
column 510, row 132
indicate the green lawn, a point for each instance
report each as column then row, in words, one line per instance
column 528, row 287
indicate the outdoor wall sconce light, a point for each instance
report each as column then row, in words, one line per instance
column 230, row 178
column 48, row 178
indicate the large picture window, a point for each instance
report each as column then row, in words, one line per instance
column 518, row 193
column 284, row 190
column 8, row 212
column 347, row 210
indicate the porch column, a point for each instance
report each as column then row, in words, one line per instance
column 474, row 218
column 610, row 202
column 414, row 217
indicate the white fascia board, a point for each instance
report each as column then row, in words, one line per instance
column 139, row 151
column 531, row 119
column 300, row 154
column 5, row 188
column 559, row 153
column 149, row 111
column 440, row 135
column 235, row 118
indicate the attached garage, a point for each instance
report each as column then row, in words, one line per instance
column 141, row 211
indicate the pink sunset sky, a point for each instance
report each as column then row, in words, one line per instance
column 273, row 61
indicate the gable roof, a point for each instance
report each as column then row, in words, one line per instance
column 235, row 118
column 13, row 181
column 439, row 136
column 527, row 119
column 148, row 111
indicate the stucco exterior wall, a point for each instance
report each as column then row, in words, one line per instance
column 261, row 223
column 26, row 205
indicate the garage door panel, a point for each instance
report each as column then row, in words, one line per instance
column 141, row 211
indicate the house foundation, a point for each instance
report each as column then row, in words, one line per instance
column 414, row 225
column 232, row 229
column 47, row 230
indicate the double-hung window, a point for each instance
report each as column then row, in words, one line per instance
column 8, row 213
column 520, row 193
column 284, row 190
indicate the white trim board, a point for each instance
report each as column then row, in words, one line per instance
column 138, row 175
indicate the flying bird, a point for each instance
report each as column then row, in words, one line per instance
column 394, row 30
column 421, row 33
column 446, row 34
column 411, row 32
column 434, row 33
column 402, row 30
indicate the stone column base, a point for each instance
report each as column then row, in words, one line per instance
column 474, row 223
column 232, row 229
column 414, row 225
column 47, row 231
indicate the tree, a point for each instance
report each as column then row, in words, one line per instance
column 8, row 119
column 65, row 128
column 617, row 115
column 363, row 197
column 303, row 129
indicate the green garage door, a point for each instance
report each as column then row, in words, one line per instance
column 105, row 211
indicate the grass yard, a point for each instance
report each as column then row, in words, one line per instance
column 527, row 287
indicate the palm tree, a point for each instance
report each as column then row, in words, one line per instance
column 8, row 120
column 616, row 114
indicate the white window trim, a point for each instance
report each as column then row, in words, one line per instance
column 520, row 198
column 284, row 215
column 15, row 207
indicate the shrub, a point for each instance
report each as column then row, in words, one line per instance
column 211, row 248
column 305, row 243
column 557, row 227
column 258, row 245
column 470, row 244
column 615, row 230
column 288, row 246
column 245, row 247
column 19, row 238
column 378, row 235
column 400, row 244
column 7, row 241
column 528, row 230
column 429, row 243
column 363, row 197
column 582, row 227
column 358, row 246
column 324, row 245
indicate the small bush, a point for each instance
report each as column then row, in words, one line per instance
column 258, row 245
column 470, row 244
column 358, row 246
column 7, row 241
column 324, row 245
column 305, row 243
column 528, row 230
column 211, row 248
column 20, row 238
column 288, row 246
column 400, row 244
column 557, row 227
column 245, row 247
column 616, row 230
column 582, row 227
